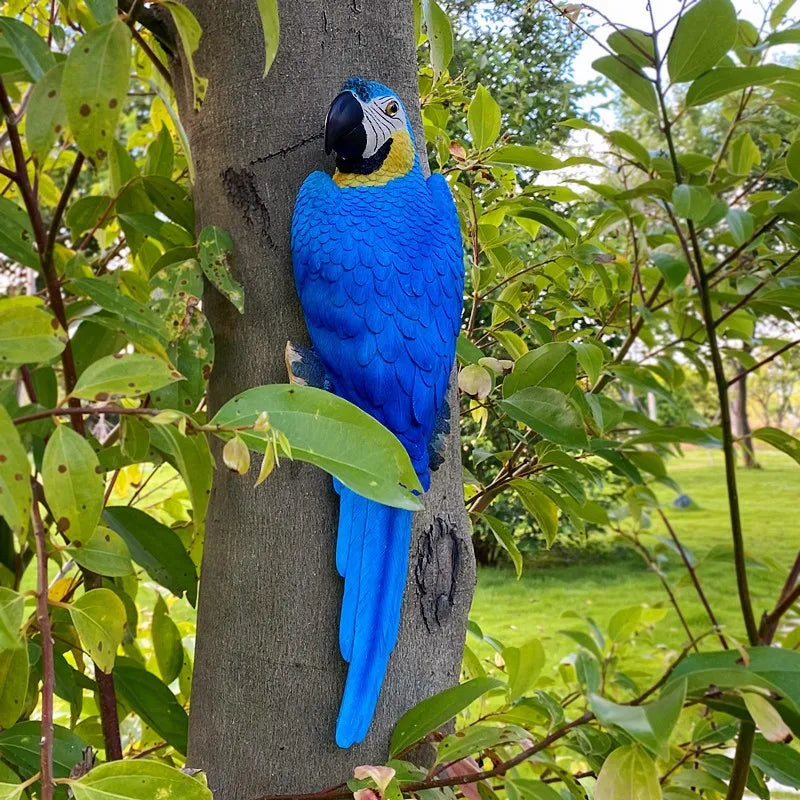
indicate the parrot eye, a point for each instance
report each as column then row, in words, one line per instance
column 391, row 108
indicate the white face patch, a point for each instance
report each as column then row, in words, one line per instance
column 383, row 117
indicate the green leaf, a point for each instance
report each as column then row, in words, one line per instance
column 744, row 155
column 270, row 25
column 780, row 440
column 505, row 538
column 156, row 548
column 540, row 505
column 780, row 11
column 86, row 212
column 27, row 47
column 549, row 413
column 21, row 746
column 770, row 668
column 216, row 250
column 10, row 791
column 440, row 35
column 171, row 199
column 651, row 724
column 160, row 154
column 11, row 610
column 636, row 45
column 703, row 35
column 692, row 202
column 723, row 80
column 189, row 33
column 673, row 270
column 628, row 77
column 108, row 297
column 46, row 116
column 333, row 434
column 99, row 618
column 521, row 155
column 103, row 10
column 628, row 774
column 124, row 375
column 550, row 218
column 104, row 552
column 152, row 701
column 95, row 85
column 139, row 779
column 13, row 684
column 28, row 334
column 523, row 665
column 192, row 459
column 483, row 119
column 741, row 224
column 167, row 644
column 793, row 161
column 779, row 761
column 590, row 357
column 435, row 711
column 73, row 483
column 678, row 433
column 16, row 234
column 134, row 439
column 15, row 473
column 553, row 365
column 474, row 739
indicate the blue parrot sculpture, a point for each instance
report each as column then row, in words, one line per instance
column 378, row 264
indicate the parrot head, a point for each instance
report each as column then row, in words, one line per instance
column 367, row 128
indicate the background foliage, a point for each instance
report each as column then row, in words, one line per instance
column 663, row 263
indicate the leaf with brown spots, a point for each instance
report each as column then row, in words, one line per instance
column 104, row 552
column 124, row 375
column 28, row 334
column 15, row 492
column 96, row 78
column 216, row 249
column 75, row 494
column 99, row 618
column 46, row 116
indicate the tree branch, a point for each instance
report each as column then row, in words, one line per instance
column 746, row 372
column 48, row 669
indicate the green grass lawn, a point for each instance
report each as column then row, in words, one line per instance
column 542, row 601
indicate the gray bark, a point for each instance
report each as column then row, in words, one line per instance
column 268, row 675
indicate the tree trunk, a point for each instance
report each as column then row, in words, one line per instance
column 268, row 676
column 741, row 422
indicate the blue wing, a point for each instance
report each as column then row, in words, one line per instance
column 379, row 271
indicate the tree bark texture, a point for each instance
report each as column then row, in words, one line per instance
column 268, row 676
column 741, row 422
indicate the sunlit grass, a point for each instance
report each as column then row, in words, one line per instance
column 541, row 602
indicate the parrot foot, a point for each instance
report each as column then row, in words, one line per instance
column 305, row 367
column 440, row 430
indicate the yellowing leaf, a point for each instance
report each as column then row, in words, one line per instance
column 95, row 85
column 189, row 33
column 270, row 23
column 15, row 472
column 124, row 375
column 139, row 779
column 73, row 483
column 99, row 618
column 628, row 774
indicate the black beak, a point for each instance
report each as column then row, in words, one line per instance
column 344, row 131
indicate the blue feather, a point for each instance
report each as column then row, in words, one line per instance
column 377, row 563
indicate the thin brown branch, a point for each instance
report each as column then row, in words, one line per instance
column 780, row 351
column 695, row 580
column 48, row 669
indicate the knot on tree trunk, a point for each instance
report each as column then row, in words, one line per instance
column 436, row 571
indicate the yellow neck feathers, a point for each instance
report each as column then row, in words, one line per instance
column 395, row 165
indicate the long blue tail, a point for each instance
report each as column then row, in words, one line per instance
column 372, row 557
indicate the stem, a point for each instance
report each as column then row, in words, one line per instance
column 109, row 719
column 48, row 670
column 741, row 761
column 727, row 445
column 44, row 240
column 695, row 580
column 780, row 351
